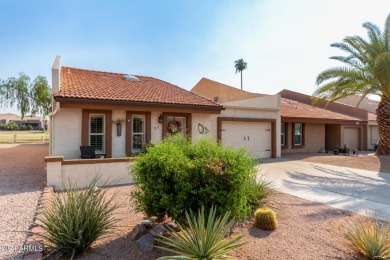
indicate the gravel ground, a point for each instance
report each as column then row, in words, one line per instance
column 307, row 230
column 365, row 162
column 22, row 178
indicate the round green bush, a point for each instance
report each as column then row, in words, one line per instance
column 177, row 175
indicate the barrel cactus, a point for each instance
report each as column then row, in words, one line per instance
column 265, row 219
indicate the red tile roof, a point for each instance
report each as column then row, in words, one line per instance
column 98, row 85
column 292, row 108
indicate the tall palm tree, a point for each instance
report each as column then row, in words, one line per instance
column 240, row 65
column 366, row 71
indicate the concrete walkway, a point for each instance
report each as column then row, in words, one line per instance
column 340, row 187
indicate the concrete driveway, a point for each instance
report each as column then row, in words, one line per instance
column 340, row 187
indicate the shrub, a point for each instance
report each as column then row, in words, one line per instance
column 176, row 175
column 11, row 126
column 29, row 127
column 73, row 220
column 201, row 240
column 368, row 238
column 3, row 127
column 23, row 128
column 265, row 219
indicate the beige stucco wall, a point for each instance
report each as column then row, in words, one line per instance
column 118, row 142
column 156, row 133
column 66, row 133
column 314, row 135
column 211, row 89
column 207, row 121
column 82, row 174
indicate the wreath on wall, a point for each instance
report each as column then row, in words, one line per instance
column 173, row 127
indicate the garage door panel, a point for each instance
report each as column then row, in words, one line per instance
column 351, row 137
column 255, row 137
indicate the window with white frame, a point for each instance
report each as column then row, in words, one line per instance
column 97, row 132
column 297, row 133
column 138, row 133
column 283, row 134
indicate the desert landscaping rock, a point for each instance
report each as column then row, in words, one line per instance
column 138, row 231
column 146, row 243
column 147, row 223
column 157, row 230
column 22, row 178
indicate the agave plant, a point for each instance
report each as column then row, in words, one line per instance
column 201, row 239
column 73, row 219
column 368, row 238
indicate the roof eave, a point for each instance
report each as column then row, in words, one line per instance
column 135, row 103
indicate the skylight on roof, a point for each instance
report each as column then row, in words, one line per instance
column 130, row 77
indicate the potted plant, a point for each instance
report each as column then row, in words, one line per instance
column 118, row 124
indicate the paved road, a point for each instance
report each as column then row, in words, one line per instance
column 340, row 187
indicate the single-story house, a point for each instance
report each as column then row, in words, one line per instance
column 37, row 123
column 117, row 114
column 308, row 128
column 303, row 127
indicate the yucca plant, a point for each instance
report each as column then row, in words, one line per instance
column 201, row 239
column 73, row 219
column 368, row 238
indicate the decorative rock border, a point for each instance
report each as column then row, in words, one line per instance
column 34, row 245
column 146, row 232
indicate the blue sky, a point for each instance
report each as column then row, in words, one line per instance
column 285, row 43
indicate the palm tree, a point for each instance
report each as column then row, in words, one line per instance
column 240, row 65
column 366, row 71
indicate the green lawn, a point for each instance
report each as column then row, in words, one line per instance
column 24, row 136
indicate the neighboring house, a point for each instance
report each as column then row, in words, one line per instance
column 303, row 127
column 35, row 122
column 250, row 120
column 308, row 128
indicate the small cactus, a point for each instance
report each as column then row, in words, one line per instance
column 265, row 219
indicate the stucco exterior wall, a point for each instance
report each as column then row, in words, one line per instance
column 314, row 136
column 204, row 125
column 60, row 172
column 211, row 89
column 66, row 133
column 156, row 131
column 118, row 142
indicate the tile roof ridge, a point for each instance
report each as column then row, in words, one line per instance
column 99, row 71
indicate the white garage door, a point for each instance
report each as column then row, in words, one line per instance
column 351, row 137
column 253, row 136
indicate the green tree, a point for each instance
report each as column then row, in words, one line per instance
column 366, row 71
column 29, row 97
column 240, row 65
